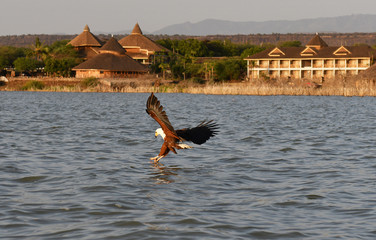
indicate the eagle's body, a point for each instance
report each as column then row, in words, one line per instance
column 173, row 139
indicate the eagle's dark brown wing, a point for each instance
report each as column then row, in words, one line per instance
column 199, row 134
column 155, row 110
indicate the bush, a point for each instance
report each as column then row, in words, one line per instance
column 9, row 54
column 230, row 69
column 90, row 82
column 23, row 64
column 60, row 67
column 198, row 80
column 33, row 85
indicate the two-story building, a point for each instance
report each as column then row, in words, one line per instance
column 316, row 60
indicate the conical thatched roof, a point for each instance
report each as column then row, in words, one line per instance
column 317, row 42
column 137, row 29
column 136, row 39
column 112, row 46
column 112, row 62
column 86, row 39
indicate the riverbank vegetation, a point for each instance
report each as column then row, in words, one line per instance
column 341, row 87
column 191, row 66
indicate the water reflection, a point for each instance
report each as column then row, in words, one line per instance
column 163, row 174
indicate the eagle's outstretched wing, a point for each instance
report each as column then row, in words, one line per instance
column 199, row 134
column 155, row 110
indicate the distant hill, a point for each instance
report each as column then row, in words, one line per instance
column 342, row 24
column 332, row 39
column 347, row 30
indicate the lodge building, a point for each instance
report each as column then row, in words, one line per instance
column 127, row 58
column 140, row 47
column 316, row 60
column 111, row 61
column 137, row 46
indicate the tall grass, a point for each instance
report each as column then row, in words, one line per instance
column 340, row 87
column 90, row 82
column 33, row 85
column 226, row 89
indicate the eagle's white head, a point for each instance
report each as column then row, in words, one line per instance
column 159, row 131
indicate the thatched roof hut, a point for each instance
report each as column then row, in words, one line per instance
column 112, row 46
column 86, row 38
column 140, row 47
column 86, row 43
column 112, row 61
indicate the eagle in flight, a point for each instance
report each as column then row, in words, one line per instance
column 173, row 139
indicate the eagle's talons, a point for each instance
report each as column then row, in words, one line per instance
column 156, row 159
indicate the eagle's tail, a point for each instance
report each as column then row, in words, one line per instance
column 184, row 146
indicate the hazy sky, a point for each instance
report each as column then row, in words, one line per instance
column 70, row 16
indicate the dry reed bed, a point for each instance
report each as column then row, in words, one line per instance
column 340, row 88
column 267, row 91
column 277, row 90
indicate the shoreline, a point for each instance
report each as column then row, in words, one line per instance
column 360, row 88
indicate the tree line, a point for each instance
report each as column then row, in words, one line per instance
column 56, row 59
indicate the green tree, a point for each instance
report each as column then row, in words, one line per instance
column 164, row 67
column 192, row 48
column 291, row 44
column 252, row 50
column 167, row 43
column 39, row 50
column 60, row 49
column 9, row 54
column 60, row 67
column 61, row 59
column 26, row 64
column 230, row 69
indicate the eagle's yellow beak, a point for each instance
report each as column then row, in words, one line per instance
column 156, row 134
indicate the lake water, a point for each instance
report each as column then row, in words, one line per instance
column 76, row 166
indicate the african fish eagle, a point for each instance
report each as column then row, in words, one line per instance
column 174, row 138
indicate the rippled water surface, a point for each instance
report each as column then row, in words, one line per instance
column 76, row 166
